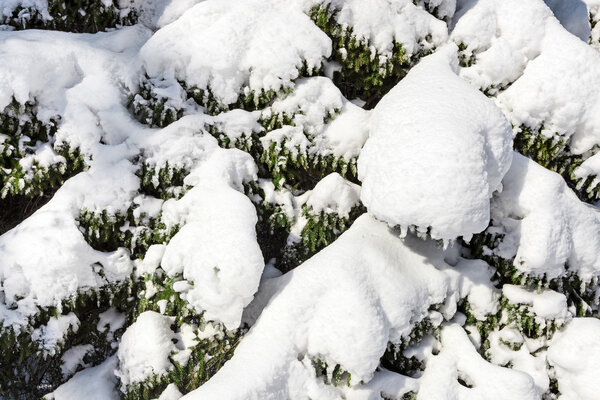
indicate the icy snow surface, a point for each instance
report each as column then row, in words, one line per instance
column 413, row 167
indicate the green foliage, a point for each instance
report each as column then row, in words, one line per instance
column 465, row 58
column 579, row 294
column 84, row 16
column 335, row 376
column 174, row 304
column 321, row 230
column 21, row 171
column 208, row 355
column 150, row 108
column 484, row 327
column 303, row 171
column 164, row 182
column 107, row 232
column 394, row 359
column 30, row 370
column 363, row 75
column 523, row 318
column 554, row 154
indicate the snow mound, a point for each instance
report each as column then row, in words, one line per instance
column 503, row 35
column 333, row 194
column 145, row 348
column 96, row 383
column 364, row 290
column 546, row 304
column 216, row 250
column 413, row 167
column 324, row 122
column 458, row 359
column 544, row 225
column 382, row 23
column 233, row 47
column 554, row 72
column 63, row 263
column 575, row 356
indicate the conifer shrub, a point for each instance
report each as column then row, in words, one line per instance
column 83, row 16
column 554, row 154
column 30, row 160
column 363, row 75
column 36, row 367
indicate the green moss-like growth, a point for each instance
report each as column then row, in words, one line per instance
column 84, row 16
column 554, row 154
column 362, row 73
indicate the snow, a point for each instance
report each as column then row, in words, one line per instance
column 324, row 122
column 333, row 194
column 96, row 383
column 575, row 356
column 368, row 272
column 234, row 46
column 554, row 72
column 60, row 266
column 73, row 358
column 522, row 359
column 380, row 24
column 546, row 304
column 436, row 152
column 544, row 224
column 573, row 16
column 459, row 359
column 52, row 335
column 216, row 250
column 414, row 169
column 170, row 393
column 145, row 348
column 475, row 285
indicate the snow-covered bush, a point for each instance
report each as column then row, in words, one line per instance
column 325, row 199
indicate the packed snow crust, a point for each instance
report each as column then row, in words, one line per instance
column 413, row 167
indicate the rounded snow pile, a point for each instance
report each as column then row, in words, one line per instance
column 437, row 150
